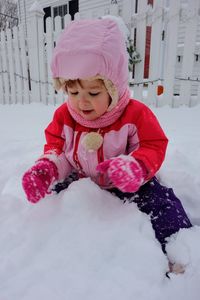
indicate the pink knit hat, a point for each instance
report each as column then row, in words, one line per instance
column 89, row 48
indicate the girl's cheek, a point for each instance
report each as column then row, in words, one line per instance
column 72, row 102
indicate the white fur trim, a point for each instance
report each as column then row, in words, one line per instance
column 58, row 83
column 111, row 89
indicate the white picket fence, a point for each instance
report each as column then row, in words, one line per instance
column 25, row 54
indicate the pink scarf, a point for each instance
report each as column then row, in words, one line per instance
column 106, row 119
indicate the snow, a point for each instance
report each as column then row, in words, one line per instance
column 85, row 243
column 36, row 7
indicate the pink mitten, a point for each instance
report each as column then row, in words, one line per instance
column 124, row 171
column 37, row 180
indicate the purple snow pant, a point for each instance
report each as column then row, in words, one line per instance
column 159, row 202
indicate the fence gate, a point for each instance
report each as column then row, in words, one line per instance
column 172, row 29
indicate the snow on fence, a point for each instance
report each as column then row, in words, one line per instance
column 25, row 53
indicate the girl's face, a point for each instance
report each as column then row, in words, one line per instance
column 89, row 98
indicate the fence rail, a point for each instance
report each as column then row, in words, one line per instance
column 25, row 54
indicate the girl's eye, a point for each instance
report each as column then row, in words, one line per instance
column 94, row 94
column 74, row 93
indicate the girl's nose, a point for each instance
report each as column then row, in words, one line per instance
column 83, row 99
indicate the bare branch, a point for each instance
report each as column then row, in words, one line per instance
column 8, row 14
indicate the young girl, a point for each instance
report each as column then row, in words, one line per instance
column 100, row 132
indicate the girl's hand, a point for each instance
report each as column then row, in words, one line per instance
column 125, row 172
column 37, row 180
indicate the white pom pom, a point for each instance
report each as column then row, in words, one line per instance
column 122, row 26
column 92, row 141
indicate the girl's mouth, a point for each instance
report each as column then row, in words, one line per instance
column 87, row 112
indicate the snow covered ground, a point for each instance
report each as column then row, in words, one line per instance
column 85, row 243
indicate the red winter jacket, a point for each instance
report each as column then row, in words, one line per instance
column 137, row 133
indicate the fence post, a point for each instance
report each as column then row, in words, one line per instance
column 114, row 9
column 24, row 63
column 18, row 67
column 128, row 9
column 49, row 49
column 33, row 28
column 5, row 68
column 172, row 22
column 191, row 21
column 2, row 101
column 155, row 53
column 140, row 45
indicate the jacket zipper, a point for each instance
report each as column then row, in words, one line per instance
column 75, row 155
column 100, row 158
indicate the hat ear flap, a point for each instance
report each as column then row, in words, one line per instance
column 112, row 91
column 57, row 84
